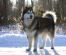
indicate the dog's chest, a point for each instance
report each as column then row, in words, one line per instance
column 30, row 33
column 27, row 22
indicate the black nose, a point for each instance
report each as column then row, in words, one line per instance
column 30, row 16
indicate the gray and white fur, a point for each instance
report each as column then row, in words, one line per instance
column 33, row 26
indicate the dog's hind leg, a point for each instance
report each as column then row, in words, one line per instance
column 51, row 35
column 30, row 39
column 44, row 36
column 52, row 46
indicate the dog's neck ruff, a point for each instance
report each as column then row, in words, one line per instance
column 31, row 26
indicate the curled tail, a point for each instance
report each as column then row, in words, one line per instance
column 51, row 15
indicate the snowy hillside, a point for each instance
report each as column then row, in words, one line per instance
column 15, row 43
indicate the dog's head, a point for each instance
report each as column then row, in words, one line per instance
column 28, row 16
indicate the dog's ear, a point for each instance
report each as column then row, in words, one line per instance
column 31, row 8
column 25, row 8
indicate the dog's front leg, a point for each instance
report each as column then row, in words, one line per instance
column 35, row 43
column 30, row 39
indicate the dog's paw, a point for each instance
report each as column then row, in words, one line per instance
column 35, row 50
column 27, row 49
column 41, row 48
column 52, row 47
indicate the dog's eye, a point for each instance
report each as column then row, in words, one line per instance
column 28, row 13
column 31, row 11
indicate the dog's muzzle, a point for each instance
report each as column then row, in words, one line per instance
column 31, row 16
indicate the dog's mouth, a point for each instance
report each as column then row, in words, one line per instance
column 29, row 19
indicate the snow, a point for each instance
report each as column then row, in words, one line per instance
column 21, row 51
column 13, row 42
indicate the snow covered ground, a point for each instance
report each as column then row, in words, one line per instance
column 13, row 42
column 21, row 51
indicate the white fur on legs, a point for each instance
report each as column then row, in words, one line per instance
column 52, row 40
column 52, row 45
column 44, row 40
column 35, row 43
column 30, row 39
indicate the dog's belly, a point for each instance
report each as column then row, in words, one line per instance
column 30, row 33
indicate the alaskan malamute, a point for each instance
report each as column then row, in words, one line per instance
column 33, row 26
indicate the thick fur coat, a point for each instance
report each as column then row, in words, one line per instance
column 33, row 26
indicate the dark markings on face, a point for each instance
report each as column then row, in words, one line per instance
column 27, row 9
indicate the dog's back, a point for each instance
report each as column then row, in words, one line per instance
column 44, row 23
